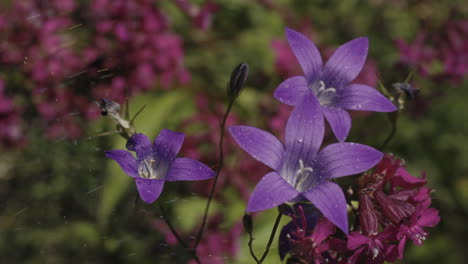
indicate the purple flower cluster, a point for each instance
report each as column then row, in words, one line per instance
column 301, row 171
column 394, row 207
column 128, row 48
column 447, row 46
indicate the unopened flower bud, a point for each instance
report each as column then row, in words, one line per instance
column 236, row 83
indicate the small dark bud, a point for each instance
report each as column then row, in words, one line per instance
column 107, row 106
column 236, row 83
column 406, row 88
column 248, row 225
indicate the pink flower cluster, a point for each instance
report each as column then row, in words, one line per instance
column 447, row 46
column 134, row 45
column 59, row 56
column 11, row 133
column 394, row 207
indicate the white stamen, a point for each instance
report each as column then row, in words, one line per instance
column 325, row 94
column 375, row 253
column 302, row 173
column 145, row 169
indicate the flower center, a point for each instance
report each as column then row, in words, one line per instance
column 145, row 169
column 324, row 94
column 301, row 175
column 417, row 234
column 374, row 248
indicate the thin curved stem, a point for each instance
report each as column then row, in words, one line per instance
column 272, row 236
column 252, row 253
column 176, row 234
column 218, row 170
column 393, row 122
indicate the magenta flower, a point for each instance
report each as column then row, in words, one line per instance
column 372, row 249
column 305, row 238
column 300, row 170
column 330, row 83
column 157, row 163
column 413, row 229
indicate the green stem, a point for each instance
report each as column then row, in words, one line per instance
column 272, row 236
column 218, row 170
column 252, row 253
column 176, row 234
column 393, row 121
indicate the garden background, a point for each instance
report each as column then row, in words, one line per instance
column 62, row 201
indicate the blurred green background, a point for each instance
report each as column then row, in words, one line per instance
column 62, row 201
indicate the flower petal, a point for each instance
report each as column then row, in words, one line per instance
column 305, row 129
column 401, row 247
column 343, row 159
column 306, row 54
column 271, row 191
column 292, row 91
column 430, row 217
column 346, row 63
column 404, row 179
column 126, row 161
column 141, row 144
column 149, row 189
column 260, row 144
column 355, row 240
column 185, row 169
column 322, row 230
column 339, row 120
column 363, row 97
column 330, row 200
column 167, row 144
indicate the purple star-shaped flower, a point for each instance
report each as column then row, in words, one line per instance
column 329, row 83
column 300, row 170
column 157, row 163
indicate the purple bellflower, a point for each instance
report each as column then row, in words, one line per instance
column 329, row 83
column 157, row 163
column 300, row 170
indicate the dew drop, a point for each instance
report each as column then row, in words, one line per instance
column 300, row 140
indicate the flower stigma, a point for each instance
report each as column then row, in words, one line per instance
column 301, row 174
column 145, row 169
column 324, row 94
